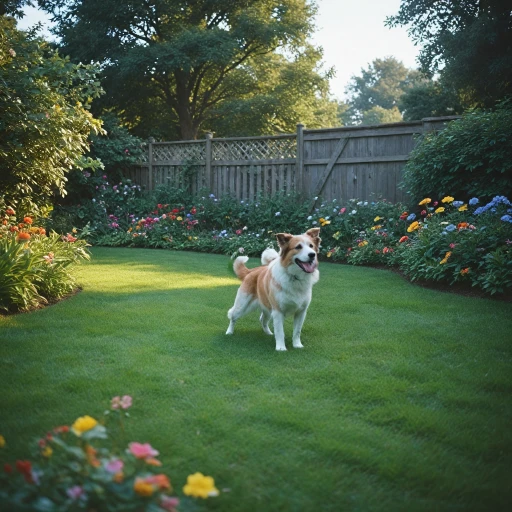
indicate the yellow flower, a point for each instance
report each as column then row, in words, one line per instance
column 376, row 227
column 179, row 218
column 447, row 199
column 336, row 235
column 463, row 208
column 83, row 424
column 142, row 488
column 445, row 259
column 439, row 210
column 200, row 486
column 425, row 201
column 377, row 218
column 325, row 222
column 2, row 441
column 47, row 452
column 329, row 254
column 363, row 243
column 413, row 227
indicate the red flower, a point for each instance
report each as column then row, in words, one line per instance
column 403, row 239
column 175, row 210
column 193, row 211
column 423, row 212
column 25, row 468
column 28, row 220
column 10, row 211
column 23, row 236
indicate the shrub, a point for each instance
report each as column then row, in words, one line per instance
column 87, row 466
column 472, row 156
column 35, row 267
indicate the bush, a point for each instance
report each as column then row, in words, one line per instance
column 34, row 267
column 472, row 156
column 89, row 467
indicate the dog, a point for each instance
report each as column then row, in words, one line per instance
column 281, row 286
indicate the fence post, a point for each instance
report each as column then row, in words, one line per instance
column 208, row 163
column 299, row 185
column 150, row 163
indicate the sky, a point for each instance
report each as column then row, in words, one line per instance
column 351, row 33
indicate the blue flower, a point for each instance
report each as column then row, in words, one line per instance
column 473, row 201
column 506, row 218
column 457, row 204
column 411, row 217
column 450, row 227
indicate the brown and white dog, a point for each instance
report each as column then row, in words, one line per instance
column 281, row 286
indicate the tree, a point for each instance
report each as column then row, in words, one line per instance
column 430, row 99
column 469, row 43
column 381, row 85
column 178, row 54
column 45, row 123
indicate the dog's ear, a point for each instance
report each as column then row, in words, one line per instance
column 283, row 239
column 313, row 234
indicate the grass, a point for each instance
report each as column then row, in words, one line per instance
column 400, row 400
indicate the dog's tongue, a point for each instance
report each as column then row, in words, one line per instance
column 308, row 267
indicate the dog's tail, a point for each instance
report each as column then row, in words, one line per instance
column 239, row 267
column 268, row 255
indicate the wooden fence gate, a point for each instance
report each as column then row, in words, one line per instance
column 363, row 162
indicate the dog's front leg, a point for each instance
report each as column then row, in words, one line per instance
column 278, row 319
column 298, row 321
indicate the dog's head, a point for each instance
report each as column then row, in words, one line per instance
column 299, row 252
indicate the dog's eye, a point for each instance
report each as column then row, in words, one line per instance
column 298, row 247
column 311, row 245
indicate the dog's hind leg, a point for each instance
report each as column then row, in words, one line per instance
column 244, row 303
column 264, row 320
column 298, row 321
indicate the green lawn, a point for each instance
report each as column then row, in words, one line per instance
column 400, row 400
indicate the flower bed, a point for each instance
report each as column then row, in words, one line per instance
column 87, row 466
column 35, row 267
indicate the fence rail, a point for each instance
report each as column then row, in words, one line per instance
column 364, row 162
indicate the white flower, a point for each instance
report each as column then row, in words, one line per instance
column 310, row 217
column 94, row 200
column 314, row 222
column 365, row 203
column 335, row 210
column 327, row 218
column 353, row 212
column 315, row 198
column 245, row 228
column 240, row 249
column 278, row 213
column 359, row 203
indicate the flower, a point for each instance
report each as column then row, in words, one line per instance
column 377, row 218
column 445, row 259
column 413, row 227
column 403, row 239
column 506, row 218
column 22, row 236
column 278, row 214
column 473, row 201
column 452, row 246
column 160, row 482
column 143, row 488
column 83, row 424
column 126, row 402
column 374, row 228
column 142, row 451
column 450, row 227
column 412, row 216
column 114, row 466
column 25, row 468
column 241, row 250
column 10, row 211
column 75, row 492
column 7, row 468
column 179, row 218
column 343, row 210
column 439, row 210
column 200, row 486
column 387, row 250
column 47, row 452
column 363, row 243
column 169, row 503
column 464, row 271
column 447, row 199
column 457, row 204
column 27, row 220
column 463, row 208
column 2, row 441
column 462, row 225
column 425, row 201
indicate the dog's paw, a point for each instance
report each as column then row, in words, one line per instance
column 230, row 331
column 298, row 344
column 268, row 331
column 281, row 349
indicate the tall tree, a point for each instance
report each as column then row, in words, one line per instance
column 378, row 89
column 469, row 43
column 179, row 54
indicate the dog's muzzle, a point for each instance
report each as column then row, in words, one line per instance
column 308, row 266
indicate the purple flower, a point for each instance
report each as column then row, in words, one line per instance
column 114, row 466
column 75, row 492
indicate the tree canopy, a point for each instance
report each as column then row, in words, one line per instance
column 45, row 122
column 469, row 43
column 185, row 63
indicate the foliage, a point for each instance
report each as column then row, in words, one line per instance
column 378, row 89
column 467, row 43
column 178, row 59
column 45, row 122
column 34, row 267
column 472, row 156
column 430, row 98
column 86, row 466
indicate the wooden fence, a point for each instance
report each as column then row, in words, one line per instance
column 363, row 162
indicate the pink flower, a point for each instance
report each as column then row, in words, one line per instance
column 126, row 402
column 115, row 466
column 238, row 231
column 452, row 246
column 142, row 451
column 343, row 210
column 115, row 403
column 423, row 212
column 75, row 492
column 169, row 503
